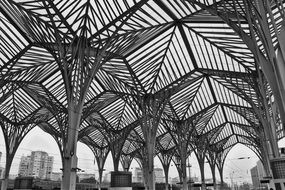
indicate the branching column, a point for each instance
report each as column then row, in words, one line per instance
column 58, row 130
column 77, row 82
column 116, row 148
column 201, row 155
column 220, row 169
column 257, row 13
column 276, row 59
column 220, row 162
column 263, row 148
column 177, row 162
column 201, row 161
column 9, row 159
column 116, row 145
column 183, row 135
column 183, row 154
column 79, row 62
column 151, row 109
column 70, row 157
column 165, row 159
column 268, row 131
column 100, row 156
column 139, row 158
column 13, row 136
column 212, row 162
column 126, row 161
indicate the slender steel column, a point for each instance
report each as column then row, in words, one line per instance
column 70, row 158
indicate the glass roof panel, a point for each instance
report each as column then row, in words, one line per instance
column 224, row 95
column 217, row 119
column 239, row 131
column 209, row 55
column 180, row 8
column 11, row 40
column 203, row 98
column 166, row 141
column 176, row 62
column 56, row 86
column 129, row 147
column 18, row 105
column 35, row 64
column 181, row 101
column 118, row 114
column 231, row 142
column 147, row 61
column 206, row 29
column 225, row 133
column 232, row 116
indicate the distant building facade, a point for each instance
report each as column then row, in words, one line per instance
column 159, row 175
column 257, row 173
column 137, row 175
column 56, row 176
column 260, row 170
column 83, row 176
column 39, row 164
column 107, row 177
column 174, row 180
column 24, row 166
column 49, row 166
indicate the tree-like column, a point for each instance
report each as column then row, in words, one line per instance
column 151, row 108
column 13, row 136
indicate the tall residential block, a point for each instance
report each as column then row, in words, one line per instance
column 39, row 164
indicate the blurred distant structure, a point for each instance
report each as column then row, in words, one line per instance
column 39, row 165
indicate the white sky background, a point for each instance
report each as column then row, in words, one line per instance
column 39, row 140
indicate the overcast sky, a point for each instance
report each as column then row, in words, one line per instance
column 39, row 140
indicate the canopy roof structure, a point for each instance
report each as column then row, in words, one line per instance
column 203, row 58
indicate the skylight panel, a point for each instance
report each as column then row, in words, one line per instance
column 53, row 126
column 147, row 61
column 94, row 90
column 56, row 86
column 7, row 107
column 203, row 98
column 83, row 125
column 182, row 100
column 158, row 15
column 224, row 95
column 234, row 117
column 167, row 142
column 240, row 131
column 128, row 147
column 180, row 8
column 118, row 114
column 177, row 62
column 12, row 41
column 232, row 51
column 18, row 106
column 231, row 142
column 216, row 120
column 224, row 133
